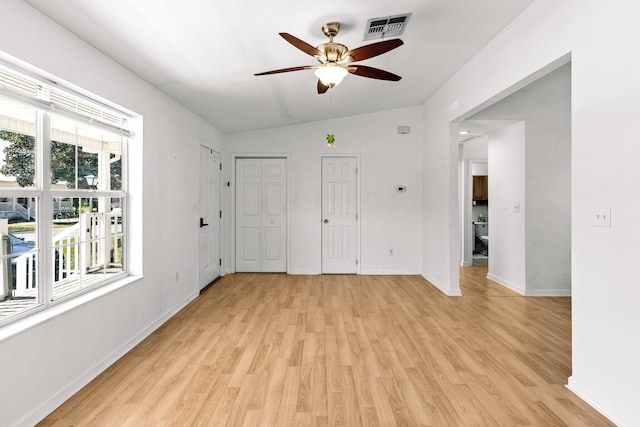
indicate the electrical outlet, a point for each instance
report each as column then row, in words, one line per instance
column 602, row 217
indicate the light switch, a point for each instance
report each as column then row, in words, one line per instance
column 602, row 217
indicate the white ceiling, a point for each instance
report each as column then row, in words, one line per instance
column 203, row 53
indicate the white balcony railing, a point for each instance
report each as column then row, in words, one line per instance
column 91, row 245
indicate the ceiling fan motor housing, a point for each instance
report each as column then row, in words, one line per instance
column 332, row 55
column 333, row 52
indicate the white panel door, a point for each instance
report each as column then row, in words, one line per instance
column 339, row 215
column 209, row 236
column 274, row 215
column 261, row 215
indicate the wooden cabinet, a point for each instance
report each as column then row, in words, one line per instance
column 481, row 189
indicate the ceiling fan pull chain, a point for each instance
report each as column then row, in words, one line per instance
column 330, row 136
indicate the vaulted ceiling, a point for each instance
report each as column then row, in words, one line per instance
column 203, row 53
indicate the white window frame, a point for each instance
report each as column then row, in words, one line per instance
column 38, row 92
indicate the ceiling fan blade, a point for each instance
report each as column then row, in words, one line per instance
column 286, row 70
column 373, row 49
column 322, row 88
column 303, row 46
column 372, row 73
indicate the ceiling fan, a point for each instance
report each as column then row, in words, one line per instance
column 336, row 59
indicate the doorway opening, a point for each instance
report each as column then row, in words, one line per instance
column 526, row 136
column 480, row 212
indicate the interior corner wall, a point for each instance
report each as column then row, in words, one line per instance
column 548, row 196
column 389, row 220
column 46, row 362
column 507, row 262
column 598, row 37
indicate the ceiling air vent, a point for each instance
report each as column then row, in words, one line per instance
column 389, row 26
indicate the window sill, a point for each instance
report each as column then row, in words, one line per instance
column 42, row 314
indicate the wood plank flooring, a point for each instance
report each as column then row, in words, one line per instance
column 279, row 350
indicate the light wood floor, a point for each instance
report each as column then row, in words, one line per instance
column 278, row 350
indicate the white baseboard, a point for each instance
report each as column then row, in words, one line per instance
column 548, row 293
column 600, row 405
column 447, row 291
column 388, row 272
column 506, row 283
column 39, row 413
column 364, row 272
column 532, row 292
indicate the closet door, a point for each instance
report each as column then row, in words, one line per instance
column 261, row 215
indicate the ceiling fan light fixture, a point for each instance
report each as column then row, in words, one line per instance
column 332, row 55
column 331, row 74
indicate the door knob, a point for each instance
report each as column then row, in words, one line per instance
column 326, row 221
column 202, row 224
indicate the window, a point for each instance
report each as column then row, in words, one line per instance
column 62, row 194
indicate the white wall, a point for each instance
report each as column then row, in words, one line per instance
column 47, row 361
column 599, row 37
column 388, row 219
column 548, row 196
column 440, row 199
column 507, row 264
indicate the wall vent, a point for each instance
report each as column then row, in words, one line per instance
column 388, row 26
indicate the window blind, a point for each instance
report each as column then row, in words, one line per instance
column 60, row 101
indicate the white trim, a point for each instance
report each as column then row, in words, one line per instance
column 548, row 293
column 448, row 292
column 304, row 272
column 74, row 386
column 44, row 208
column 507, row 284
column 22, row 192
column 600, row 405
column 389, row 272
column 87, row 193
column 532, row 292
